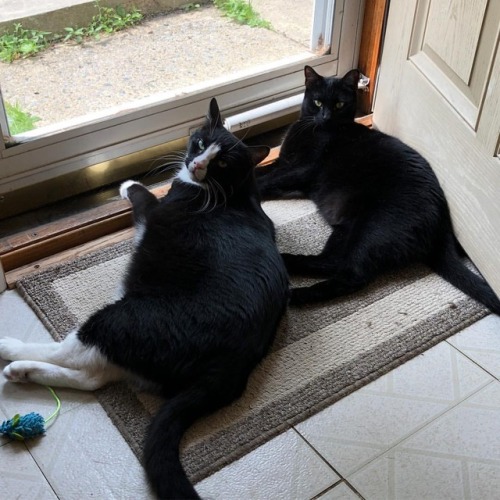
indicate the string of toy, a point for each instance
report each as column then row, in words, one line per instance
column 30, row 425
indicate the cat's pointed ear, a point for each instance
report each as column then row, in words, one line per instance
column 259, row 153
column 311, row 76
column 214, row 118
column 351, row 79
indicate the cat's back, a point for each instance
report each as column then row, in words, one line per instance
column 370, row 159
column 373, row 147
column 364, row 170
column 240, row 225
column 220, row 246
column 215, row 275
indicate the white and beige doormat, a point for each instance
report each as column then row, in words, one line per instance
column 321, row 353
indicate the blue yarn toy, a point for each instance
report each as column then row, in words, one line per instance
column 30, row 425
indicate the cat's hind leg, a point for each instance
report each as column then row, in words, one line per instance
column 39, row 372
column 64, row 364
column 70, row 352
column 12, row 349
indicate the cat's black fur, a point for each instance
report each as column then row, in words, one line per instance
column 381, row 198
column 204, row 294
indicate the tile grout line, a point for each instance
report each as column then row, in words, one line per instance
column 474, row 361
column 27, row 450
column 443, row 412
column 441, row 454
column 43, row 474
column 405, row 436
column 330, row 466
column 333, row 486
column 418, row 429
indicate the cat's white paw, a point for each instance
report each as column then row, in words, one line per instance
column 17, row 371
column 124, row 188
column 10, row 348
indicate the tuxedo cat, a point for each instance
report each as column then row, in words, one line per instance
column 202, row 299
column 381, row 198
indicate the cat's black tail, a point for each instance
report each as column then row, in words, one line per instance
column 448, row 264
column 161, row 452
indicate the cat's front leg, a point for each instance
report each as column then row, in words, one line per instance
column 142, row 202
column 319, row 266
column 334, row 257
column 325, row 290
column 140, row 197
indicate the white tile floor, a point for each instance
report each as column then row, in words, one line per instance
column 430, row 429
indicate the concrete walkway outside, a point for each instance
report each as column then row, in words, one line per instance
column 164, row 53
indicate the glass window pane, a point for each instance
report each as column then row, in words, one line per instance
column 159, row 58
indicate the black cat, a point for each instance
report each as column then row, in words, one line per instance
column 203, row 297
column 381, row 197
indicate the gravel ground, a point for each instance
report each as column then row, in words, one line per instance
column 162, row 54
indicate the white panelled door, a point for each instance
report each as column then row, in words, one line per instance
column 439, row 91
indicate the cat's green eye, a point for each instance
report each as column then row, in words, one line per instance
column 318, row 103
column 222, row 163
column 339, row 105
column 201, row 145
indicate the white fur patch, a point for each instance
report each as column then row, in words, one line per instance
column 124, row 188
column 140, row 229
column 63, row 364
column 184, row 176
column 197, row 168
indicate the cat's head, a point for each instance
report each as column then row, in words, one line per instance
column 329, row 100
column 216, row 159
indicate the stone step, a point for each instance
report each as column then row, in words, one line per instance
column 55, row 15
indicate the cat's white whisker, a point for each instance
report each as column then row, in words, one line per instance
column 165, row 167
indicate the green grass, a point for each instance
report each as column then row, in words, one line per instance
column 19, row 121
column 22, row 43
column 107, row 20
column 242, row 12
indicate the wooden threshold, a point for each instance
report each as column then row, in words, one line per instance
column 22, row 248
column 13, row 276
column 29, row 252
